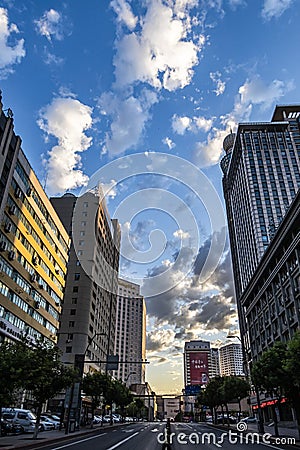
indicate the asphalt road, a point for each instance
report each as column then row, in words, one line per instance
column 139, row 436
column 151, row 436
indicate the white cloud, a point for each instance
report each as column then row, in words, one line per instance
column 160, row 54
column 235, row 3
column 257, row 92
column 182, row 124
column 124, row 13
column 181, row 234
column 9, row 54
column 168, row 141
column 252, row 92
column 51, row 59
column 129, row 117
column 109, row 189
column 66, row 119
column 50, row 25
column 275, row 8
column 216, row 78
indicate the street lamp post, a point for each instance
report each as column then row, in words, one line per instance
column 74, row 395
column 247, row 373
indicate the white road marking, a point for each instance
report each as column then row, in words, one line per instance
column 79, row 442
column 122, row 442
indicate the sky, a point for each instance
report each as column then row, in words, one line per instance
column 139, row 95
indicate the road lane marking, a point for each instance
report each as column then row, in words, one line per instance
column 122, row 442
column 78, row 442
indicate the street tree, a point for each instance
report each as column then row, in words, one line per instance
column 277, row 373
column 234, row 389
column 11, row 376
column 123, row 396
column 44, row 375
column 94, row 386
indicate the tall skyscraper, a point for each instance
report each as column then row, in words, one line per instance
column 231, row 359
column 196, row 363
column 130, row 338
column 261, row 178
column 34, row 247
column 90, row 300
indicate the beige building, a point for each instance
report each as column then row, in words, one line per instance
column 130, row 337
column 87, row 329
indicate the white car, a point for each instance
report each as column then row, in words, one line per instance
column 48, row 420
column 46, row 426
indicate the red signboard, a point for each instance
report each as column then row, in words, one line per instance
column 199, row 368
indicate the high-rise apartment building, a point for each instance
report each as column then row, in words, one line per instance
column 90, row 300
column 261, row 178
column 34, row 247
column 197, row 362
column 130, row 338
column 231, row 360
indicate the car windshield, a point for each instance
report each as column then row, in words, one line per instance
column 31, row 416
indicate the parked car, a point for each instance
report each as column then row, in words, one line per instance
column 249, row 419
column 46, row 425
column 47, row 419
column 97, row 419
column 230, row 419
column 22, row 417
column 8, row 427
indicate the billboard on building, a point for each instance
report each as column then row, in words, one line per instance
column 199, row 368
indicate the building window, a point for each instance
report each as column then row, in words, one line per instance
column 68, row 349
column 71, row 324
column 75, row 288
column 73, row 312
column 77, row 276
column 74, row 301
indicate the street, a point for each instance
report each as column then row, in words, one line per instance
column 191, row 436
column 151, row 436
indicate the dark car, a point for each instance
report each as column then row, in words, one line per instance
column 8, row 427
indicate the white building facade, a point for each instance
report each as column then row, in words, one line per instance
column 130, row 338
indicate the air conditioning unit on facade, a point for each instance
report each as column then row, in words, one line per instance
column 12, row 210
column 7, row 227
column 18, row 192
column 11, row 255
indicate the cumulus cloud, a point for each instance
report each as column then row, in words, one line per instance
column 181, row 234
column 129, row 118
column 220, row 85
column 9, row 54
column 67, row 120
column 182, row 124
column 253, row 92
column 50, row 25
column 168, row 141
column 160, row 54
column 275, row 8
column 124, row 13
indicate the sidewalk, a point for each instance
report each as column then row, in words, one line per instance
column 25, row 441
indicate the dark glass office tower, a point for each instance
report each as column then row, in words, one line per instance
column 261, row 178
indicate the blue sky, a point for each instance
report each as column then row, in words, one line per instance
column 148, row 81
